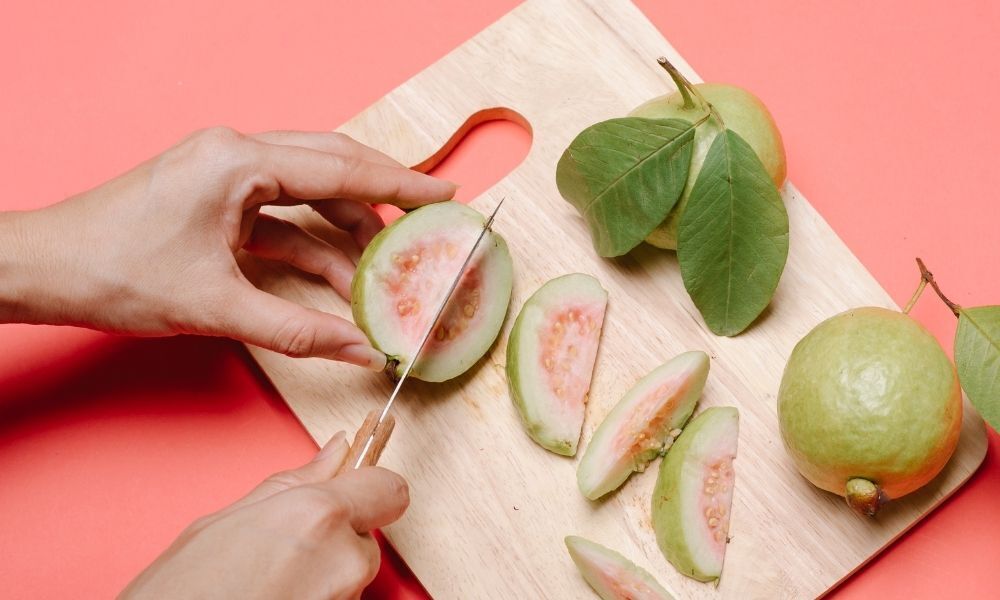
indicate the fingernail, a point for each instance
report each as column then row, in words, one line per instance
column 336, row 440
column 363, row 356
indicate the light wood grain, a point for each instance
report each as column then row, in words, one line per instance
column 490, row 508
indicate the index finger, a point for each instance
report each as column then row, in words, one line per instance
column 374, row 497
column 309, row 174
column 331, row 142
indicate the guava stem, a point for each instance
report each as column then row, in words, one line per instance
column 929, row 278
column 864, row 496
column 391, row 366
column 915, row 296
column 679, row 80
column 686, row 88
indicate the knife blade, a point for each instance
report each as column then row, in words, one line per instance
column 382, row 426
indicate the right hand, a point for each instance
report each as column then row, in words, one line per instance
column 302, row 533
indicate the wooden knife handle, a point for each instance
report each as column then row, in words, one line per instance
column 382, row 433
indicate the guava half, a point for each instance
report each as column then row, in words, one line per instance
column 869, row 406
column 643, row 424
column 404, row 275
column 611, row 575
column 550, row 358
column 693, row 497
column 743, row 112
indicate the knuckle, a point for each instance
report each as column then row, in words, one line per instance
column 348, row 167
column 284, row 480
column 220, row 134
column 216, row 144
column 196, row 527
column 295, row 338
column 342, row 141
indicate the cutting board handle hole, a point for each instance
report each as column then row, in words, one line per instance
column 485, row 149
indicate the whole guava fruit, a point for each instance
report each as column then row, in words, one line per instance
column 742, row 112
column 869, row 406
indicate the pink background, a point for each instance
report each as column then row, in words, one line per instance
column 109, row 446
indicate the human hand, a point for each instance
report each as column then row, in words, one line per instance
column 153, row 252
column 300, row 534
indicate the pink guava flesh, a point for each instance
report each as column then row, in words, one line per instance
column 551, row 354
column 715, row 500
column 568, row 350
column 419, row 282
column 649, row 418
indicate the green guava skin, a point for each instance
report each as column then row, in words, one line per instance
column 671, row 520
column 539, row 430
column 536, row 430
column 742, row 112
column 870, row 394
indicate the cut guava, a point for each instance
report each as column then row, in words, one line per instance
column 613, row 576
column 550, row 358
column 643, row 424
column 693, row 497
column 404, row 275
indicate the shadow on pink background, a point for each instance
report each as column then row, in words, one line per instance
column 110, row 446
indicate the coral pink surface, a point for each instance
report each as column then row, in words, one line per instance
column 109, row 446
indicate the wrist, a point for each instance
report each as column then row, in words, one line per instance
column 33, row 269
column 15, row 268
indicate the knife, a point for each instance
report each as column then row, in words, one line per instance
column 374, row 432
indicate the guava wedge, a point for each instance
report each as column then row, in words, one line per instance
column 404, row 275
column 550, row 358
column 613, row 576
column 643, row 424
column 693, row 497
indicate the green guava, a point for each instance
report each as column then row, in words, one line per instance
column 693, row 497
column 643, row 424
column 404, row 275
column 611, row 575
column 742, row 112
column 869, row 406
column 550, row 358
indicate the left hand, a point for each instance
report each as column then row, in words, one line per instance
column 153, row 252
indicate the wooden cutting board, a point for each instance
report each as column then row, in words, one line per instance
column 490, row 508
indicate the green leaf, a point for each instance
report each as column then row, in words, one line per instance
column 624, row 176
column 977, row 356
column 732, row 239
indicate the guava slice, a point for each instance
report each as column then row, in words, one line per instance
column 693, row 497
column 613, row 576
column 403, row 277
column 643, row 424
column 550, row 358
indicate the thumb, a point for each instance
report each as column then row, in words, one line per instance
column 322, row 467
column 374, row 497
column 276, row 324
